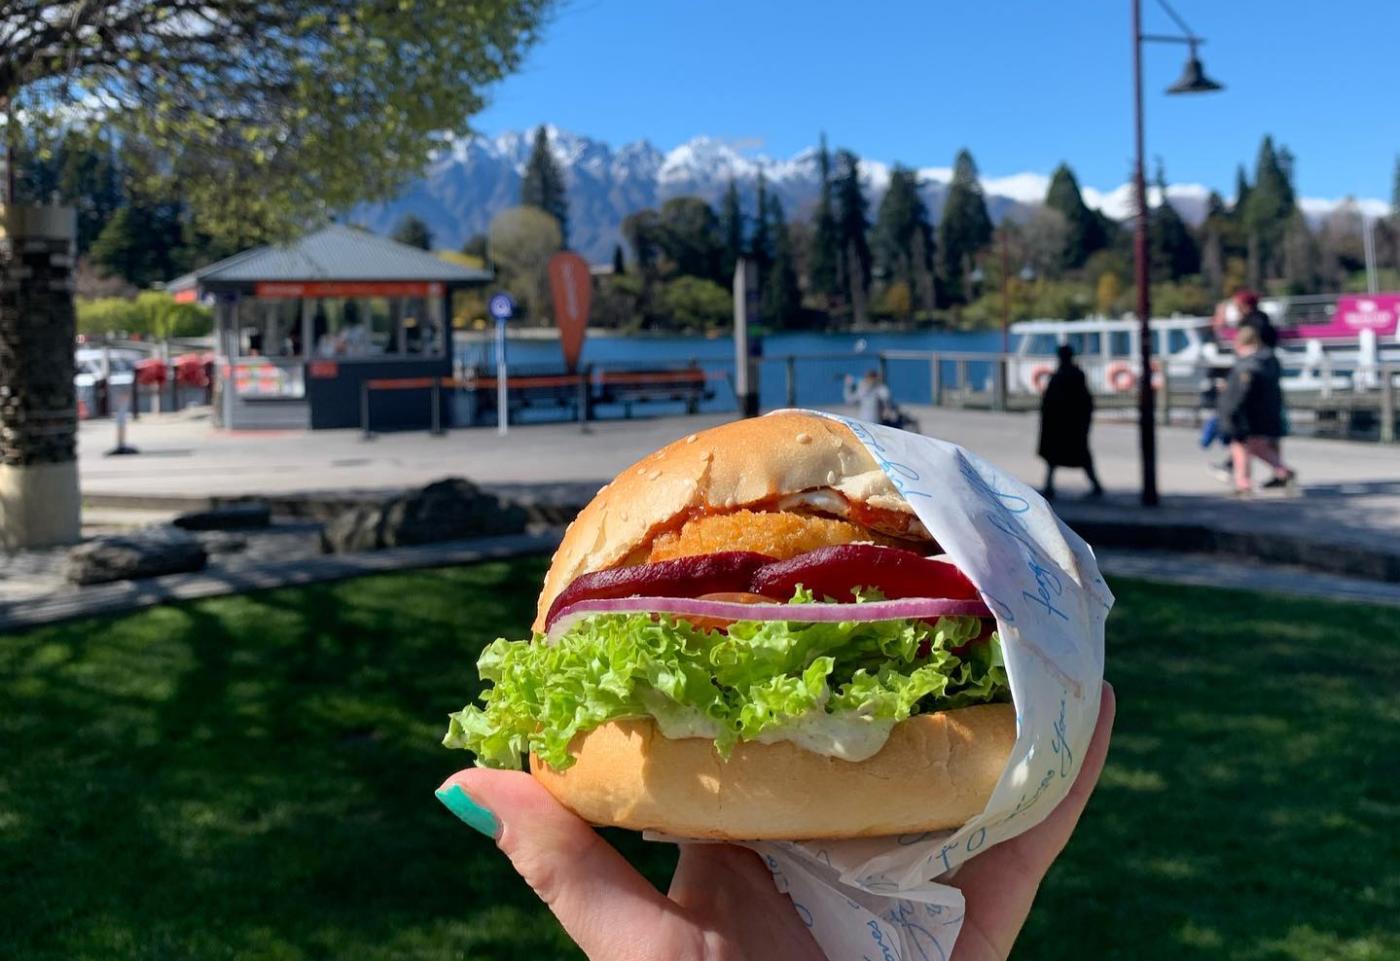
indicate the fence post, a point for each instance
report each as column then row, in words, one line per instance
column 436, row 400
column 935, row 380
column 364, row 411
column 1388, row 403
column 791, row 370
column 960, row 375
column 583, row 397
column 999, row 384
column 884, row 369
column 1166, row 404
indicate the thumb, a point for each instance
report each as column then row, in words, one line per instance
column 610, row 910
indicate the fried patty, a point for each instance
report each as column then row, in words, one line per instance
column 779, row 534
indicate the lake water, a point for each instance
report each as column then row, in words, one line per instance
column 825, row 359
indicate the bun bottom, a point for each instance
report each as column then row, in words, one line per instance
column 935, row 772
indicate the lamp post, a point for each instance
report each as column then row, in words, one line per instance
column 1193, row 80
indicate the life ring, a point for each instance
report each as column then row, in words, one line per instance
column 1040, row 377
column 1121, row 377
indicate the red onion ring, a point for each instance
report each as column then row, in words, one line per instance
column 909, row 608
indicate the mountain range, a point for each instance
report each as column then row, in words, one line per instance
column 473, row 178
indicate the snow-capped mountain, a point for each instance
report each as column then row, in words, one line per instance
column 474, row 178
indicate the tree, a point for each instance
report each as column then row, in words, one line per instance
column 782, row 300
column 413, row 231
column 695, row 304
column 143, row 244
column 619, row 265
column 543, row 184
column 476, row 246
column 1241, row 191
column 1270, row 206
column 1045, row 238
column 851, row 225
column 1173, row 250
column 824, row 252
column 642, row 231
column 689, row 237
column 1106, row 293
column 761, row 243
column 903, row 237
column 1300, row 256
column 965, row 227
column 1395, row 191
column 731, row 230
column 522, row 241
column 259, row 110
column 1084, row 231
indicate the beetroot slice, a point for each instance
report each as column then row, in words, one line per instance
column 680, row 577
column 835, row 572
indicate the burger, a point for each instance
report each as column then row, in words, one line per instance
column 750, row 635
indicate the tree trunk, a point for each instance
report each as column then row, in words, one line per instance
column 39, row 502
column 856, row 277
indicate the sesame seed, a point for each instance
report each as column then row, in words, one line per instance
column 831, row 477
column 690, row 439
column 804, row 438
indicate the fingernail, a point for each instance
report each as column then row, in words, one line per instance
column 475, row 816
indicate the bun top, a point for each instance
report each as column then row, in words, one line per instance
column 745, row 463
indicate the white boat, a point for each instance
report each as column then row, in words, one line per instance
column 1333, row 343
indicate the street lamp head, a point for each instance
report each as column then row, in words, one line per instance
column 1193, row 78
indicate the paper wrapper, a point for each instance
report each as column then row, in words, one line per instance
column 879, row 898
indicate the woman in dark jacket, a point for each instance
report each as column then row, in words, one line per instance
column 1251, row 412
column 1066, row 412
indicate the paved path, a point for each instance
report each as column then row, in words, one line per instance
column 1351, row 490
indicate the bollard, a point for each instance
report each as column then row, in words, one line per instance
column 365, row 432
column 1166, row 405
column 791, row 363
column 436, row 413
column 935, row 380
column 1388, row 375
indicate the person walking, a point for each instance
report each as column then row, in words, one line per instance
column 1066, row 413
column 870, row 396
column 1251, row 412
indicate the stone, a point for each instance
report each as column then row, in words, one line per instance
column 149, row 552
column 227, row 517
column 446, row 510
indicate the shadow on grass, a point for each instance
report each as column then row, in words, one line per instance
column 252, row 777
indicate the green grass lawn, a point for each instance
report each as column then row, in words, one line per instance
column 252, row 777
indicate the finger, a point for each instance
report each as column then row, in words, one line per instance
column 609, row 909
column 999, row 885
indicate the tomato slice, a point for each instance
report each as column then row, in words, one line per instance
column 836, row 572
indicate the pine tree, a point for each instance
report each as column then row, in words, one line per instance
column 1241, row 191
column 782, row 300
column 851, row 225
column 1270, row 206
column 761, row 243
column 1300, row 256
column 689, row 236
column 731, row 229
column 1395, row 192
column 965, row 227
column 543, row 185
column 903, row 236
column 824, row 256
column 1174, row 253
column 619, row 264
column 413, row 231
column 1085, row 231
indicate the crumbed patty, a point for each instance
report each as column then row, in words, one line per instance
column 779, row 534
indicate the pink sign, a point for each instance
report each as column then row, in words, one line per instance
column 1369, row 312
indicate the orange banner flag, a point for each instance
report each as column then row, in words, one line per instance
column 572, row 287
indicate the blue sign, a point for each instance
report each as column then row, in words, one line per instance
column 501, row 307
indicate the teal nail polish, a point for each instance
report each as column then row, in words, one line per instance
column 460, row 803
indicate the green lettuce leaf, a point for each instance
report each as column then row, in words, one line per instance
column 836, row 688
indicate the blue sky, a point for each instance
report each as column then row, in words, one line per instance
column 1023, row 83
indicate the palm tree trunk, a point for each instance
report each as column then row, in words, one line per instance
column 39, row 502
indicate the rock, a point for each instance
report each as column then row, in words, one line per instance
column 446, row 510
column 227, row 517
column 143, row 553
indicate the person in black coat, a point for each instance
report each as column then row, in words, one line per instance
column 1251, row 412
column 1066, row 412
